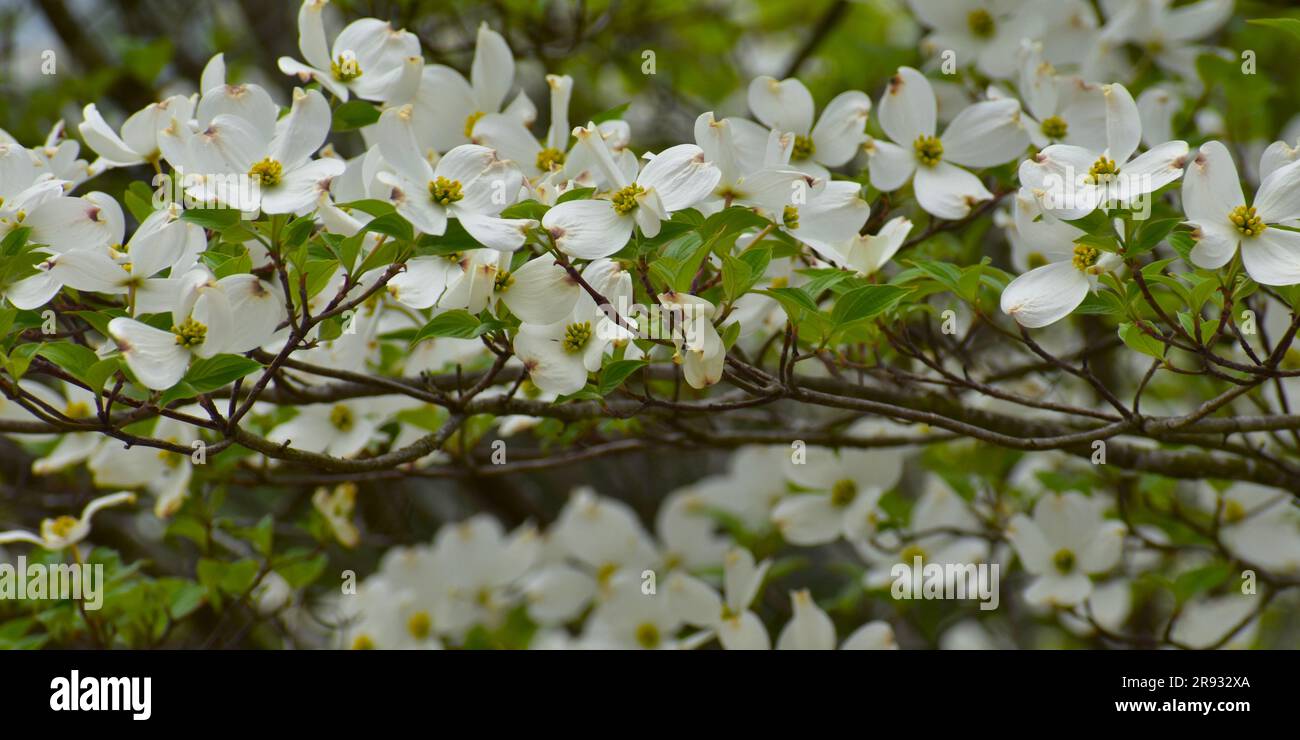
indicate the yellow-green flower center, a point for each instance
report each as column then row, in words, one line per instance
column 444, row 191
column 647, row 636
column 576, row 336
column 929, row 150
column 344, row 67
column 910, row 553
column 470, row 121
column 843, row 492
column 1085, row 257
column 77, row 410
column 268, row 172
column 190, row 333
column 549, row 159
column 804, row 148
column 363, row 642
column 63, row 526
column 1064, row 561
column 1247, row 221
column 981, row 24
column 1233, row 511
column 1054, row 127
column 790, row 217
column 419, row 625
column 1103, row 170
column 503, row 281
column 341, row 418
column 625, row 199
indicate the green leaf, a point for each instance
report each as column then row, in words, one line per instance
column 74, row 358
column 455, row 239
column 1138, row 340
column 1094, row 223
column 209, row 374
column 372, row 206
column 1151, row 233
column 1290, row 25
column 458, row 323
column 794, row 301
column 139, row 200
column 613, row 375
column 612, row 114
column 865, row 303
column 391, row 224
column 20, row 359
column 737, row 277
column 354, row 114
column 217, row 219
column 1198, row 581
column 575, row 194
column 526, row 209
column 302, row 572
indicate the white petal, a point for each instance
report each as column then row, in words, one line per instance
column 300, row 133
column 311, row 36
column 1153, row 169
column 876, row 635
column 1211, row 187
column 104, row 140
column 1278, row 199
column 891, row 165
column 1273, row 257
column 549, row 366
column 1044, row 295
column 493, row 70
column 542, row 292
column 808, row 519
column 986, row 135
column 1123, row 123
column 948, row 191
column 680, row 177
column 908, row 108
column 301, row 188
column 256, row 308
column 840, row 131
column 587, row 229
column 744, row 632
column 250, row 102
column 809, row 629
column 152, row 354
column 786, row 105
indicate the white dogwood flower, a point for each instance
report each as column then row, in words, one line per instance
column 1070, row 181
column 339, row 429
column 729, row 616
column 1049, row 293
column 699, row 346
column 1059, row 110
column 276, row 155
column 982, row 135
column 1217, row 208
column 1066, row 541
column 139, row 140
column 470, row 184
column 509, row 135
column 985, row 31
column 676, row 178
column 811, row 629
column 369, row 56
column 787, row 106
column 61, row 532
column 843, row 489
column 447, row 107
